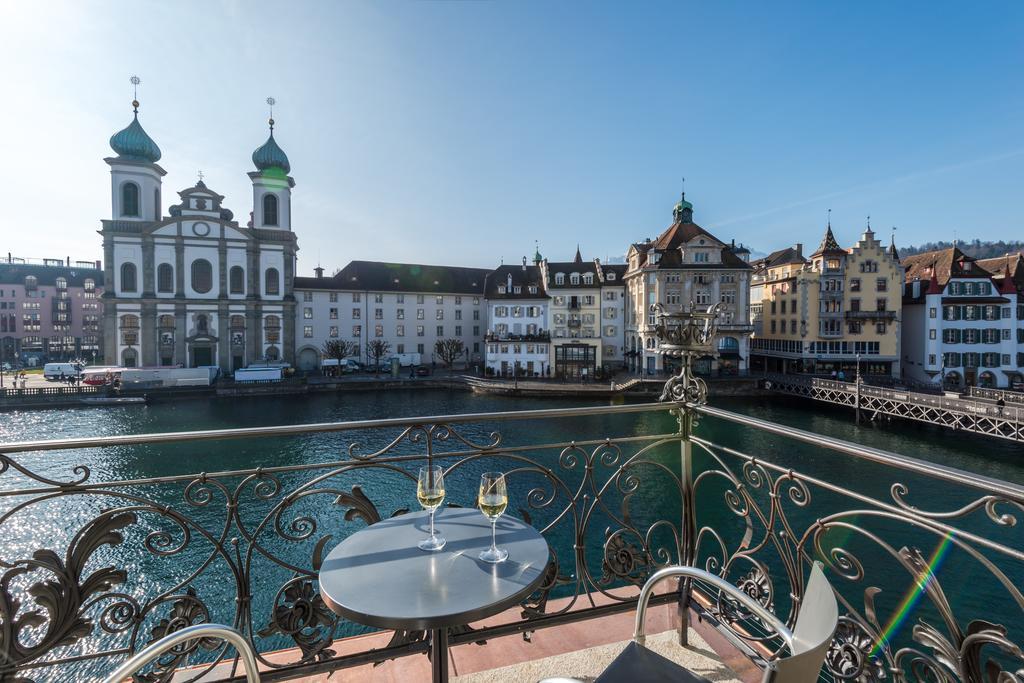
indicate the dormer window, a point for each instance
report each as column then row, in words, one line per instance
column 559, row 278
column 611, row 277
column 533, row 289
column 655, row 257
column 588, row 278
column 31, row 283
column 501, row 289
column 574, row 278
column 517, row 290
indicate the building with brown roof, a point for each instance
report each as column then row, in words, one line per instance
column 963, row 319
column 837, row 310
column 687, row 266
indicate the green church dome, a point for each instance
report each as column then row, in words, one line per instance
column 134, row 143
column 270, row 155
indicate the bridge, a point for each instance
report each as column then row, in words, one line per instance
column 977, row 413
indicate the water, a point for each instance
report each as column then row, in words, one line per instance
column 44, row 524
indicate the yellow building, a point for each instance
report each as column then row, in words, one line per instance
column 821, row 314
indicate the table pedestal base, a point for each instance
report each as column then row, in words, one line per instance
column 439, row 655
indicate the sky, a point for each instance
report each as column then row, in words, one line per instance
column 462, row 132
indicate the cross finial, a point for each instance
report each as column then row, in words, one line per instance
column 869, row 222
column 135, row 80
column 830, row 218
column 682, row 186
column 271, row 102
column 200, row 175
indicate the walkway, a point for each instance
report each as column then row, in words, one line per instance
column 975, row 415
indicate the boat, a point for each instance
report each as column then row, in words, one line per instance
column 113, row 400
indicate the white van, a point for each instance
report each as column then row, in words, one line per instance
column 53, row 371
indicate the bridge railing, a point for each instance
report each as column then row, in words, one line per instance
column 97, row 564
column 997, row 394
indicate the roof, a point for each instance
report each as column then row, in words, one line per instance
column 380, row 276
column 569, row 267
column 620, row 273
column 270, row 155
column 522, row 276
column 829, row 244
column 134, row 143
column 677, row 235
column 943, row 264
column 783, row 257
column 1001, row 266
column 15, row 274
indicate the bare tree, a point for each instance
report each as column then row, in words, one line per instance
column 338, row 349
column 449, row 350
column 376, row 349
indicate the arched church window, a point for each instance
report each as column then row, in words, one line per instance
column 128, row 278
column 164, row 278
column 236, row 280
column 270, row 209
column 238, row 321
column 202, row 325
column 129, row 199
column 166, row 321
column 273, row 281
column 202, row 276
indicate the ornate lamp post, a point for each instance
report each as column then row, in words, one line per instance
column 686, row 335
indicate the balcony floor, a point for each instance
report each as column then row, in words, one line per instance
column 581, row 650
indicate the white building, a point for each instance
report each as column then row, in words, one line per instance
column 686, row 265
column 518, row 315
column 613, row 315
column 409, row 306
column 962, row 326
column 194, row 287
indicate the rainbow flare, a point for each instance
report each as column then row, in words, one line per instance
column 914, row 594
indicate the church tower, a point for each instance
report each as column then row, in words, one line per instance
column 271, row 184
column 135, row 177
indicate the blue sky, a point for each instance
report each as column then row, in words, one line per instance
column 460, row 132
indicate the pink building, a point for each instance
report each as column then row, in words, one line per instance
column 50, row 309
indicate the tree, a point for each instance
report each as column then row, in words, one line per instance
column 338, row 349
column 376, row 349
column 448, row 350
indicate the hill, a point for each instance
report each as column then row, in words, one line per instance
column 975, row 248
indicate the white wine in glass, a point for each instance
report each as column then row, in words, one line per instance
column 430, row 493
column 493, row 500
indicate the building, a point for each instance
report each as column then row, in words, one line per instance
column 687, row 266
column 50, row 310
column 613, row 316
column 517, row 342
column 963, row 319
column 832, row 312
column 194, row 287
column 582, row 327
column 409, row 306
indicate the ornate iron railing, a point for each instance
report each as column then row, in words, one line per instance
column 94, row 568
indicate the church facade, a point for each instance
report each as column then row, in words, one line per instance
column 194, row 287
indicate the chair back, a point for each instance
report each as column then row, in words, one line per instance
column 812, row 634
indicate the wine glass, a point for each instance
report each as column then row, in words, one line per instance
column 430, row 492
column 493, row 500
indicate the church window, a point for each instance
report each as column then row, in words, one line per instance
column 202, row 276
column 273, row 281
column 164, row 278
column 237, row 322
column 129, row 199
column 128, row 279
column 270, row 209
column 236, row 280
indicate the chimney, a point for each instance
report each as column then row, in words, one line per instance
column 799, row 249
column 319, row 272
column 98, row 266
column 524, row 263
column 68, row 258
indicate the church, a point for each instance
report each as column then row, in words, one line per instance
column 193, row 287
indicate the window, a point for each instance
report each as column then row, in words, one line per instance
column 333, row 297
column 307, row 313
column 439, row 300
column 458, row 330
column 270, row 209
column 332, row 331
column 378, row 330
column 855, row 285
column 357, row 330
column 588, row 278
column 400, row 314
column 458, row 314
column 880, row 328
column 420, row 331
column 202, row 276
column 128, row 279
column 419, row 314
column 439, row 314
column 419, row 348
column 880, row 304
column 164, row 278
column 378, row 298
column 440, row 330
column 307, row 330
column 332, row 313
column 419, row 298
column 400, row 348
column 378, row 314
column 700, row 257
column 931, row 334
column 399, row 331
column 559, row 278
column 574, row 278
column 273, row 281
column 307, row 296
column 881, row 284
column 130, row 199
column 236, row 280
column 932, row 312
column 356, row 313
column 89, row 285
column 356, row 297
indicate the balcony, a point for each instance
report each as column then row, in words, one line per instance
column 573, row 324
column 542, row 336
column 871, row 315
column 619, row 492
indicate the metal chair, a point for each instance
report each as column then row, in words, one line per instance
column 172, row 640
column 807, row 642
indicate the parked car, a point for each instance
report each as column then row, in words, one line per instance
column 422, row 371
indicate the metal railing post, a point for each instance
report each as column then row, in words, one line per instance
column 687, row 419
